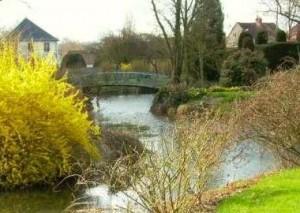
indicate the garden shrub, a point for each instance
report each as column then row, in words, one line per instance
column 248, row 43
column 277, row 53
column 272, row 115
column 126, row 67
column 174, row 178
column 243, row 68
column 281, row 36
column 213, row 64
column 262, row 37
column 44, row 126
column 242, row 37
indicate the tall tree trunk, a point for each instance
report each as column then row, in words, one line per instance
column 201, row 68
column 178, row 44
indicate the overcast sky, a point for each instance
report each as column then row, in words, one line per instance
column 89, row 20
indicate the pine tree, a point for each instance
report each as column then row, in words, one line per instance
column 262, row 37
column 248, row 43
column 243, row 35
column 210, row 19
column 281, row 36
column 206, row 40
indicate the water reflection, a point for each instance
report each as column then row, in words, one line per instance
column 134, row 110
column 118, row 202
column 35, row 200
column 247, row 160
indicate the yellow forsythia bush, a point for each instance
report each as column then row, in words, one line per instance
column 42, row 122
column 126, row 67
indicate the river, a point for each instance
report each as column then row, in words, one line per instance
column 252, row 159
column 134, row 111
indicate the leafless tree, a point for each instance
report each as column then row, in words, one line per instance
column 175, row 28
column 287, row 9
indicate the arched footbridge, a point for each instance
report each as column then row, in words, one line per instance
column 89, row 78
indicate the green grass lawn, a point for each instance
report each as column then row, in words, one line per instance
column 226, row 94
column 278, row 193
column 230, row 96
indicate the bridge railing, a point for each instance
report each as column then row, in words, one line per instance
column 91, row 78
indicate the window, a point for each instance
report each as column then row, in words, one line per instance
column 46, row 47
column 30, row 47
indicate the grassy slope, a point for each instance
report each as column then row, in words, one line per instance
column 230, row 96
column 279, row 193
column 223, row 94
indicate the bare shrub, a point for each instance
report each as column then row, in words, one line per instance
column 273, row 115
column 171, row 181
column 174, row 178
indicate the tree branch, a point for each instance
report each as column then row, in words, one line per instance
column 161, row 26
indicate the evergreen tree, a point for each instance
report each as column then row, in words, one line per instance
column 262, row 37
column 281, row 36
column 243, row 35
column 248, row 43
column 212, row 18
column 206, row 40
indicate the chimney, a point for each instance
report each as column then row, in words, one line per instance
column 258, row 21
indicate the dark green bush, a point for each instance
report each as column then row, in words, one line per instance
column 211, row 71
column 262, row 37
column 277, row 53
column 248, row 43
column 243, row 68
column 281, row 36
column 242, row 37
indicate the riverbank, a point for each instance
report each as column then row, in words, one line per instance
column 177, row 102
column 276, row 192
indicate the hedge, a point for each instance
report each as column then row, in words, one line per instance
column 276, row 53
column 242, row 37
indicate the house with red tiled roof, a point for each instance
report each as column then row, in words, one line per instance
column 253, row 28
